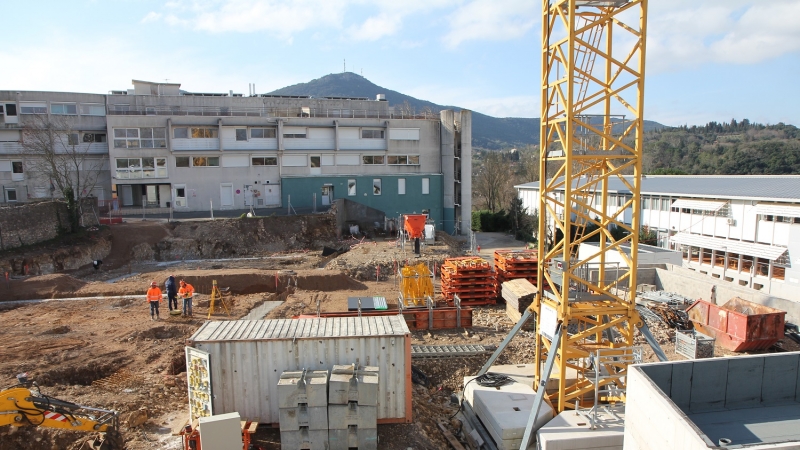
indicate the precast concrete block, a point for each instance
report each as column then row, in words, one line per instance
column 304, row 439
column 351, row 384
column 303, row 387
column 342, row 416
column 313, row 417
column 505, row 413
column 353, row 437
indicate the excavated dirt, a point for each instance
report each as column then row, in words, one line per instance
column 107, row 353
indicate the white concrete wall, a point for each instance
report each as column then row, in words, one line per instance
column 652, row 421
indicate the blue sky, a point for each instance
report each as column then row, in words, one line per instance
column 709, row 60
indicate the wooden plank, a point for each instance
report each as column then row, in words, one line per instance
column 450, row 438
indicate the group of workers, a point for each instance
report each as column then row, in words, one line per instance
column 155, row 297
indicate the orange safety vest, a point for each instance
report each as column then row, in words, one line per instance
column 154, row 294
column 186, row 291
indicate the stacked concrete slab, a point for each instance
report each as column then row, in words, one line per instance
column 303, row 410
column 504, row 410
column 352, row 408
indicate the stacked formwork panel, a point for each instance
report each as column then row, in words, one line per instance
column 515, row 264
column 471, row 278
column 303, row 410
column 352, row 408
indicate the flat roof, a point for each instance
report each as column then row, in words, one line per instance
column 754, row 187
column 752, row 399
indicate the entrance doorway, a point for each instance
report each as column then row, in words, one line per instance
column 327, row 195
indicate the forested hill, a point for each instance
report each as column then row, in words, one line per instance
column 491, row 133
column 735, row 148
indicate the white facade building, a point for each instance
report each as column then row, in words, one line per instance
column 171, row 149
column 741, row 229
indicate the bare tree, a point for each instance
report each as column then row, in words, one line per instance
column 529, row 163
column 52, row 149
column 492, row 182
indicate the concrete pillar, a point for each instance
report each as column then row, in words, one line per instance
column 466, row 171
column 447, row 143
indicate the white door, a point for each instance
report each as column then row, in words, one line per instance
column 226, row 195
column 126, row 191
column 248, row 195
column 271, row 194
column 326, row 200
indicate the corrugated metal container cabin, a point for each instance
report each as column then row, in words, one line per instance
column 247, row 358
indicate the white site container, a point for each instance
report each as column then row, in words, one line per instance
column 247, row 358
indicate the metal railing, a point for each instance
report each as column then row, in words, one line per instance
column 224, row 111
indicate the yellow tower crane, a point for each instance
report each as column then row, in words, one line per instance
column 592, row 101
column 593, row 63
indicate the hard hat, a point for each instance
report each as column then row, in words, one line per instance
column 183, row 282
column 153, row 283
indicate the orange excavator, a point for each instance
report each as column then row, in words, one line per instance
column 20, row 406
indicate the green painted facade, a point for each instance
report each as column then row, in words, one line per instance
column 301, row 190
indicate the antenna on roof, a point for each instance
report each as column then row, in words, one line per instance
column 344, row 68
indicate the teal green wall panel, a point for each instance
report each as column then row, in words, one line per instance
column 301, row 190
column 449, row 215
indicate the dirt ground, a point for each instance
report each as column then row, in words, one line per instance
column 106, row 352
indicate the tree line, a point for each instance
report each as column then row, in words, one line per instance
column 732, row 148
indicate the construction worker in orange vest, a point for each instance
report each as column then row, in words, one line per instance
column 186, row 292
column 154, row 297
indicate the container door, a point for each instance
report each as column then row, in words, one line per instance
column 198, row 377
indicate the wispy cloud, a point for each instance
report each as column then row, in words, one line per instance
column 494, row 20
column 686, row 34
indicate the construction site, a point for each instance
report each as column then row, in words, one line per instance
column 304, row 333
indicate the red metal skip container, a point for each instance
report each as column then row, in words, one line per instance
column 739, row 325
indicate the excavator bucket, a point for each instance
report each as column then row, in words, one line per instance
column 111, row 440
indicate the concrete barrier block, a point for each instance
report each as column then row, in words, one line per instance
column 342, row 416
column 313, row 417
column 353, row 437
column 304, row 439
column 310, row 388
column 350, row 384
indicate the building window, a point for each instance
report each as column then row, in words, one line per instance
column 376, row 186
column 181, row 161
column 93, row 109
column 294, row 135
column 265, row 161
column 140, row 138
column 138, row 168
column 401, row 186
column 69, row 109
column 315, row 161
column 180, row 133
column 122, row 107
column 372, row 134
column 665, row 203
column 369, row 159
column 204, row 133
column 72, row 139
column 11, row 109
column 16, row 167
column 241, row 134
column 403, row 160
column 153, row 137
column 205, row 161
column 262, row 133
column 351, row 187
column 11, row 195
column 426, row 186
column 94, row 137
column 33, row 108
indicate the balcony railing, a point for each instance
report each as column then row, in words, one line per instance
column 218, row 111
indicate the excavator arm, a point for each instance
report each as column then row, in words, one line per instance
column 19, row 406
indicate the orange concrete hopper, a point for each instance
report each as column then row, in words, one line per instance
column 415, row 225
